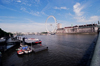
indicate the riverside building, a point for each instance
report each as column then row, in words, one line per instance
column 88, row 28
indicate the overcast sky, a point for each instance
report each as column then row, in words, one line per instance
column 30, row 15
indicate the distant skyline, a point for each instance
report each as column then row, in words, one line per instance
column 30, row 15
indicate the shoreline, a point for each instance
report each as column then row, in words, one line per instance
column 76, row 33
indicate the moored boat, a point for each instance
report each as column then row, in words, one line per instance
column 32, row 41
column 20, row 51
column 26, row 49
column 29, row 50
column 29, row 41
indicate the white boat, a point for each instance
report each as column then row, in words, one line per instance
column 29, row 50
column 32, row 40
column 26, row 51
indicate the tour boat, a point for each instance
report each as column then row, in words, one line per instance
column 32, row 41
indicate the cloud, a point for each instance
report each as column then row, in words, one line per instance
column 77, row 9
column 64, row 23
column 6, row 1
column 29, row 4
column 47, row 7
column 23, row 27
column 60, row 8
column 44, row 14
column 23, row 9
column 34, row 13
column 79, row 14
column 3, row 7
column 91, row 19
column 1, row 20
column 38, row 1
column 30, row 12
column 7, row 17
column 18, row 1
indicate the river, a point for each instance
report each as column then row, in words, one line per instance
column 63, row 50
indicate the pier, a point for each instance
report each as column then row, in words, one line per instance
column 8, row 44
column 38, row 48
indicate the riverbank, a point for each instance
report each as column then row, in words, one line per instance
column 76, row 33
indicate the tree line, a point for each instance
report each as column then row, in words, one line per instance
column 4, row 33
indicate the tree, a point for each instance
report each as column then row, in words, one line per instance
column 4, row 33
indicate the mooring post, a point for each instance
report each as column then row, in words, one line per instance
column 0, row 59
column 24, row 40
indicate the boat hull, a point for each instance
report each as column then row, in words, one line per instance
column 20, row 52
column 33, row 43
column 26, row 51
column 29, row 51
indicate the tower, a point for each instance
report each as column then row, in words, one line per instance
column 59, row 26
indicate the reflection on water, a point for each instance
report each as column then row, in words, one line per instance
column 5, row 46
column 63, row 50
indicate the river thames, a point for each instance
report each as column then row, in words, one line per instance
column 63, row 50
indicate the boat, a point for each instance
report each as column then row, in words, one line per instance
column 32, row 41
column 28, row 41
column 20, row 51
column 26, row 49
column 30, row 50
column 2, row 41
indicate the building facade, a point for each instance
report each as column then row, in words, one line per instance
column 59, row 26
column 89, row 28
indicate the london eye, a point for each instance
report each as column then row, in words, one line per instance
column 51, row 26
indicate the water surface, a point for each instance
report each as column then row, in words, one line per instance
column 63, row 50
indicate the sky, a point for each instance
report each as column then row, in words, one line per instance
column 31, row 15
